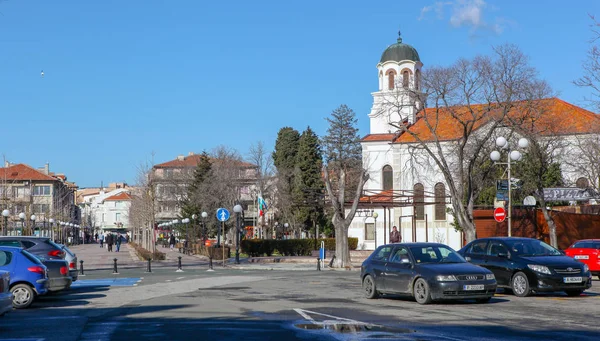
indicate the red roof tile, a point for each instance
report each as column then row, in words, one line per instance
column 378, row 137
column 192, row 161
column 21, row 172
column 383, row 197
column 119, row 197
column 550, row 116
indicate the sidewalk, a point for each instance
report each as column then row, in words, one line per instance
column 95, row 258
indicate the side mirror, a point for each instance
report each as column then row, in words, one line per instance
column 405, row 261
column 503, row 255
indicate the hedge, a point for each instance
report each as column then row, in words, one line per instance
column 289, row 247
column 145, row 254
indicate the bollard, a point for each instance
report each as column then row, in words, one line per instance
column 210, row 267
column 179, row 265
column 81, row 268
column 149, row 266
column 115, row 269
column 318, row 264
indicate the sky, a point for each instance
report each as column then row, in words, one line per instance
column 136, row 81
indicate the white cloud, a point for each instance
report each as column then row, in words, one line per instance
column 465, row 13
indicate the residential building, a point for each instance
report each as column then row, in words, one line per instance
column 38, row 192
column 106, row 209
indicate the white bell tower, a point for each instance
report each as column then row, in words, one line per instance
column 399, row 97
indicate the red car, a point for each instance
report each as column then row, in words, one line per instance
column 587, row 251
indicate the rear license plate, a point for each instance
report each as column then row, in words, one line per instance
column 474, row 287
column 573, row 279
column 582, row 257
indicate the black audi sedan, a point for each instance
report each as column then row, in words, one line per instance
column 426, row 271
column 527, row 265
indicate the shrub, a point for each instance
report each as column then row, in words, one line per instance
column 145, row 254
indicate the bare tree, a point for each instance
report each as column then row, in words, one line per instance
column 142, row 211
column 468, row 101
column 591, row 67
column 265, row 183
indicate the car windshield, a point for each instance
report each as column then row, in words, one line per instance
column 586, row 245
column 436, row 254
column 531, row 248
column 31, row 257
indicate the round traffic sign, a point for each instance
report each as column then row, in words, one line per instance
column 222, row 214
column 499, row 214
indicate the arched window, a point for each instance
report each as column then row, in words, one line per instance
column 417, row 79
column 440, row 201
column 582, row 183
column 391, row 73
column 388, row 177
column 419, row 201
column 405, row 79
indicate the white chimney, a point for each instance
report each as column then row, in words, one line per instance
column 180, row 157
column 191, row 154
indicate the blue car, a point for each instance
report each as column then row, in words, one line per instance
column 28, row 276
column 6, row 296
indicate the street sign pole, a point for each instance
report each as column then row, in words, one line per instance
column 223, row 228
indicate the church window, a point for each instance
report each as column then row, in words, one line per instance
column 405, row 79
column 391, row 78
column 440, row 201
column 417, row 80
column 582, row 183
column 388, row 177
column 419, row 201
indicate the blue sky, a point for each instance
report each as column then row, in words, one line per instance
column 126, row 79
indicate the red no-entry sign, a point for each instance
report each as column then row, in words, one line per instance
column 499, row 214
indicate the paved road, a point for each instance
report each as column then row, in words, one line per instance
column 229, row 304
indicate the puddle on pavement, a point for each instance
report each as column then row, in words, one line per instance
column 354, row 328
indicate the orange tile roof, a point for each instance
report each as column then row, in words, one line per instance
column 21, row 172
column 378, row 137
column 550, row 116
column 192, row 161
column 383, row 197
column 119, row 197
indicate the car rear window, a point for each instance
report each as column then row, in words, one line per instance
column 5, row 258
column 31, row 257
column 586, row 245
column 14, row 243
column 65, row 249
column 49, row 242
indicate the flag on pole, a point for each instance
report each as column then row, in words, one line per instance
column 262, row 206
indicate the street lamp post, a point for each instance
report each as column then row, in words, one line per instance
column 5, row 214
column 285, row 230
column 61, row 232
column 238, row 210
column 186, row 221
column 22, row 218
column 33, row 218
column 375, row 215
column 51, row 234
column 204, row 231
column 194, row 232
column 513, row 155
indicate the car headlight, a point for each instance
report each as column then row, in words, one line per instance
column 539, row 268
column 489, row 276
column 445, row 278
column 586, row 268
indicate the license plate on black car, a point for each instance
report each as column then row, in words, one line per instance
column 474, row 287
column 573, row 279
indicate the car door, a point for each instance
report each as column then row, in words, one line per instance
column 476, row 253
column 399, row 271
column 498, row 262
column 378, row 264
column 7, row 263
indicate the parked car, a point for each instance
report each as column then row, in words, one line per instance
column 6, row 297
column 35, row 245
column 587, row 251
column 58, row 273
column 71, row 258
column 28, row 276
column 426, row 271
column 527, row 265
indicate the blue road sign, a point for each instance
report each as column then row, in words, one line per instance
column 222, row 214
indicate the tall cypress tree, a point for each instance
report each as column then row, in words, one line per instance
column 284, row 156
column 307, row 192
column 192, row 203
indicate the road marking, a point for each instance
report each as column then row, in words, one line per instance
column 105, row 282
column 178, row 278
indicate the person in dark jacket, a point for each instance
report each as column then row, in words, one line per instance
column 172, row 242
column 109, row 241
column 395, row 236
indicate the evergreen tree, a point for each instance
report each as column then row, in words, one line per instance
column 192, row 203
column 342, row 142
column 284, row 160
column 307, row 192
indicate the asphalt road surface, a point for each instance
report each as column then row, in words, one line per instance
column 284, row 305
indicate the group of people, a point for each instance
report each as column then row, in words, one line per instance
column 111, row 239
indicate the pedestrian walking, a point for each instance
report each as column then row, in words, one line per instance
column 395, row 236
column 172, row 241
column 102, row 240
column 96, row 237
column 109, row 242
column 118, row 242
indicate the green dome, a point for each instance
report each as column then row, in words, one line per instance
column 399, row 52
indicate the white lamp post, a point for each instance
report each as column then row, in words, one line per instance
column 33, row 218
column 22, row 218
column 285, row 228
column 375, row 215
column 204, row 215
column 513, row 155
column 5, row 214
column 238, row 210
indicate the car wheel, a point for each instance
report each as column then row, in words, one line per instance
column 520, row 285
column 483, row 300
column 421, row 292
column 23, row 296
column 369, row 287
column 573, row 293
